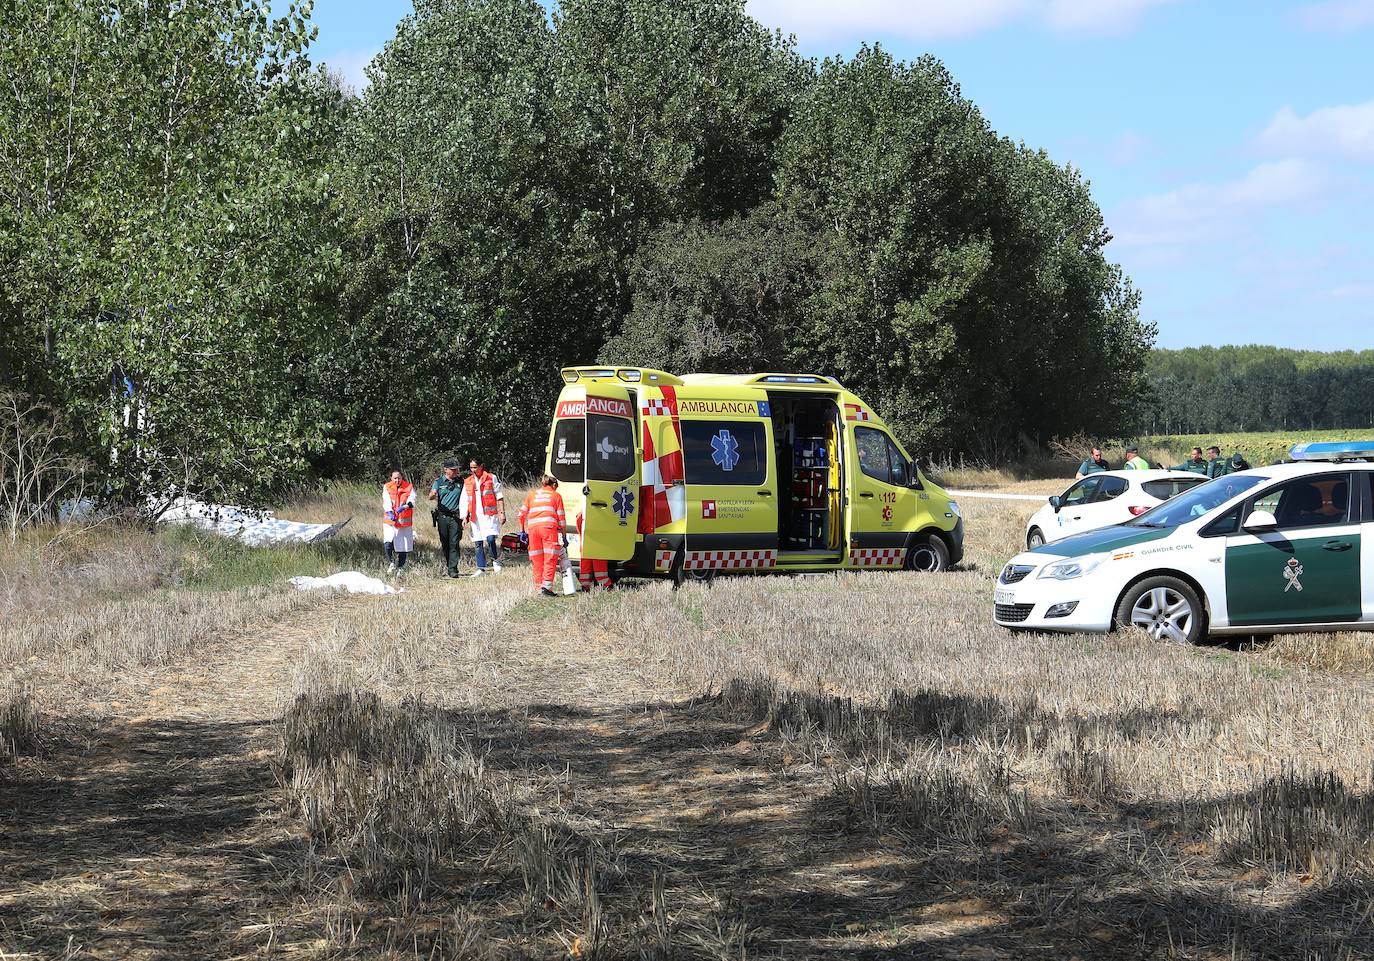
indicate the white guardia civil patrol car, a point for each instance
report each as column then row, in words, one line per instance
column 1267, row 550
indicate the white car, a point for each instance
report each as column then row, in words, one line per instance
column 1262, row 551
column 1107, row 497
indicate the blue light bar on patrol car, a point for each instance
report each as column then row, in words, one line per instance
column 1333, row 450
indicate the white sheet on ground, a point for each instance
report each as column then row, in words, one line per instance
column 355, row 582
column 251, row 527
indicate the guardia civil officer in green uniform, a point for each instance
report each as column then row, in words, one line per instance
column 446, row 491
column 1134, row 461
column 1217, row 466
column 1093, row 465
column 1197, row 464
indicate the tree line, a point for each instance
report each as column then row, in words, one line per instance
column 227, row 271
column 1258, row 388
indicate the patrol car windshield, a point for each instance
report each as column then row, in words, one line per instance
column 1192, row 504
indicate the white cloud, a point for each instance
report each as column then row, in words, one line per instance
column 1345, row 131
column 917, row 19
column 1098, row 16
column 1198, row 213
column 1128, row 148
column 938, row 19
column 351, row 65
column 1337, row 15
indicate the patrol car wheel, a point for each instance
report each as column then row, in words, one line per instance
column 1166, row 608
column 929, row 556
column 1034, row 539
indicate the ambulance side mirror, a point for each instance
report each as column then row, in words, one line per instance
column 1260, row 521
column 1055, row 502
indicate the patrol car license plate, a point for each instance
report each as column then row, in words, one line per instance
column 1003, row 597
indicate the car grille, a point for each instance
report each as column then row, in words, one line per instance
column 1012, row 613
column 1015, row 572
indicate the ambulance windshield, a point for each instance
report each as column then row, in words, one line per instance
column 565, row 460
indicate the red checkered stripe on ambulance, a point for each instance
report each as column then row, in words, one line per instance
column 662, row 497
column 876, row 556
column 728, row 560
column 855, row 412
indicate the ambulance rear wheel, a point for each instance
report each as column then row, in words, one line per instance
column 930, row 555
column 679, row 574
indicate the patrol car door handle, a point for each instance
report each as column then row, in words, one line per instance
column 598, row 503
column 865, row 493
column 1337, row 546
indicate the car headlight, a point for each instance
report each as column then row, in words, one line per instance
column 954, row 508
column 1074, row 567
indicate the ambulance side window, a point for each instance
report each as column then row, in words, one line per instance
column 879, row 457
column 569, row 437
column 613, row 448
column 724, row 452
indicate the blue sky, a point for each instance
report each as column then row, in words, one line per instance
column 1230, row 143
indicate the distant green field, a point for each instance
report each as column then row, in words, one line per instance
column 1259, row 447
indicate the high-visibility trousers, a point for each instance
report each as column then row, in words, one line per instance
column 544, row 550
column 594, row 573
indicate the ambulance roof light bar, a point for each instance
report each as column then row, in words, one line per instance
column 793, row 379
column 630, row 375
column 1333, row 450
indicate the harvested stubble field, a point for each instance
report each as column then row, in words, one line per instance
column 197, row 762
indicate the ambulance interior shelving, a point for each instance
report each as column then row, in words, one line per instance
column 805, row 432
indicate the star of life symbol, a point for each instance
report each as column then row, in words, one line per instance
column 725, row 450
column 1291, row 573
column 623, row 503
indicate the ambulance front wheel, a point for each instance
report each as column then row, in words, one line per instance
column 930, row 555
column 679, row 574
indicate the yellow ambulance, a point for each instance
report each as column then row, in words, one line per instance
column 744, row 473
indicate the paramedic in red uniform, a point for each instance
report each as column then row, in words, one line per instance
column 543, row 519
column 398, row 520
column 590, row 571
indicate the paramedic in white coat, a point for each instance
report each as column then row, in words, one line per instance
column 483, row 508
column 398, row 520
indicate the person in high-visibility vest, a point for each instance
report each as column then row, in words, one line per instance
column 542, row 518
column 483, row 508
column 398, row 521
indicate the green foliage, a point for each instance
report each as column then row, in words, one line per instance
column 728, row 297
column 972, row 300
column 1256, row 387
column 1259, row 447
column 163, row 230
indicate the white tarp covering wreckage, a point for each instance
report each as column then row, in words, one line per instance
column 256, row 528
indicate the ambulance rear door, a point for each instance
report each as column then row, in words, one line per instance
column 611, row 491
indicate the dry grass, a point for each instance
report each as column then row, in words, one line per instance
column 852, row 765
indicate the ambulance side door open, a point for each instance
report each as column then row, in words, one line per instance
column 611, row 491
column 882, row 504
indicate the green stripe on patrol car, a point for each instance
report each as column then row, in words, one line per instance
column 1099, row 541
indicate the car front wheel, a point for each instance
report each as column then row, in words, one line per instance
column 1166, row 608
column 1034, row 539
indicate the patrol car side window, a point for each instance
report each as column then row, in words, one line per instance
column 612, row 457
column 1082, row 492
column 1109, row 488
column 1316, row 501
column 724, row 452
